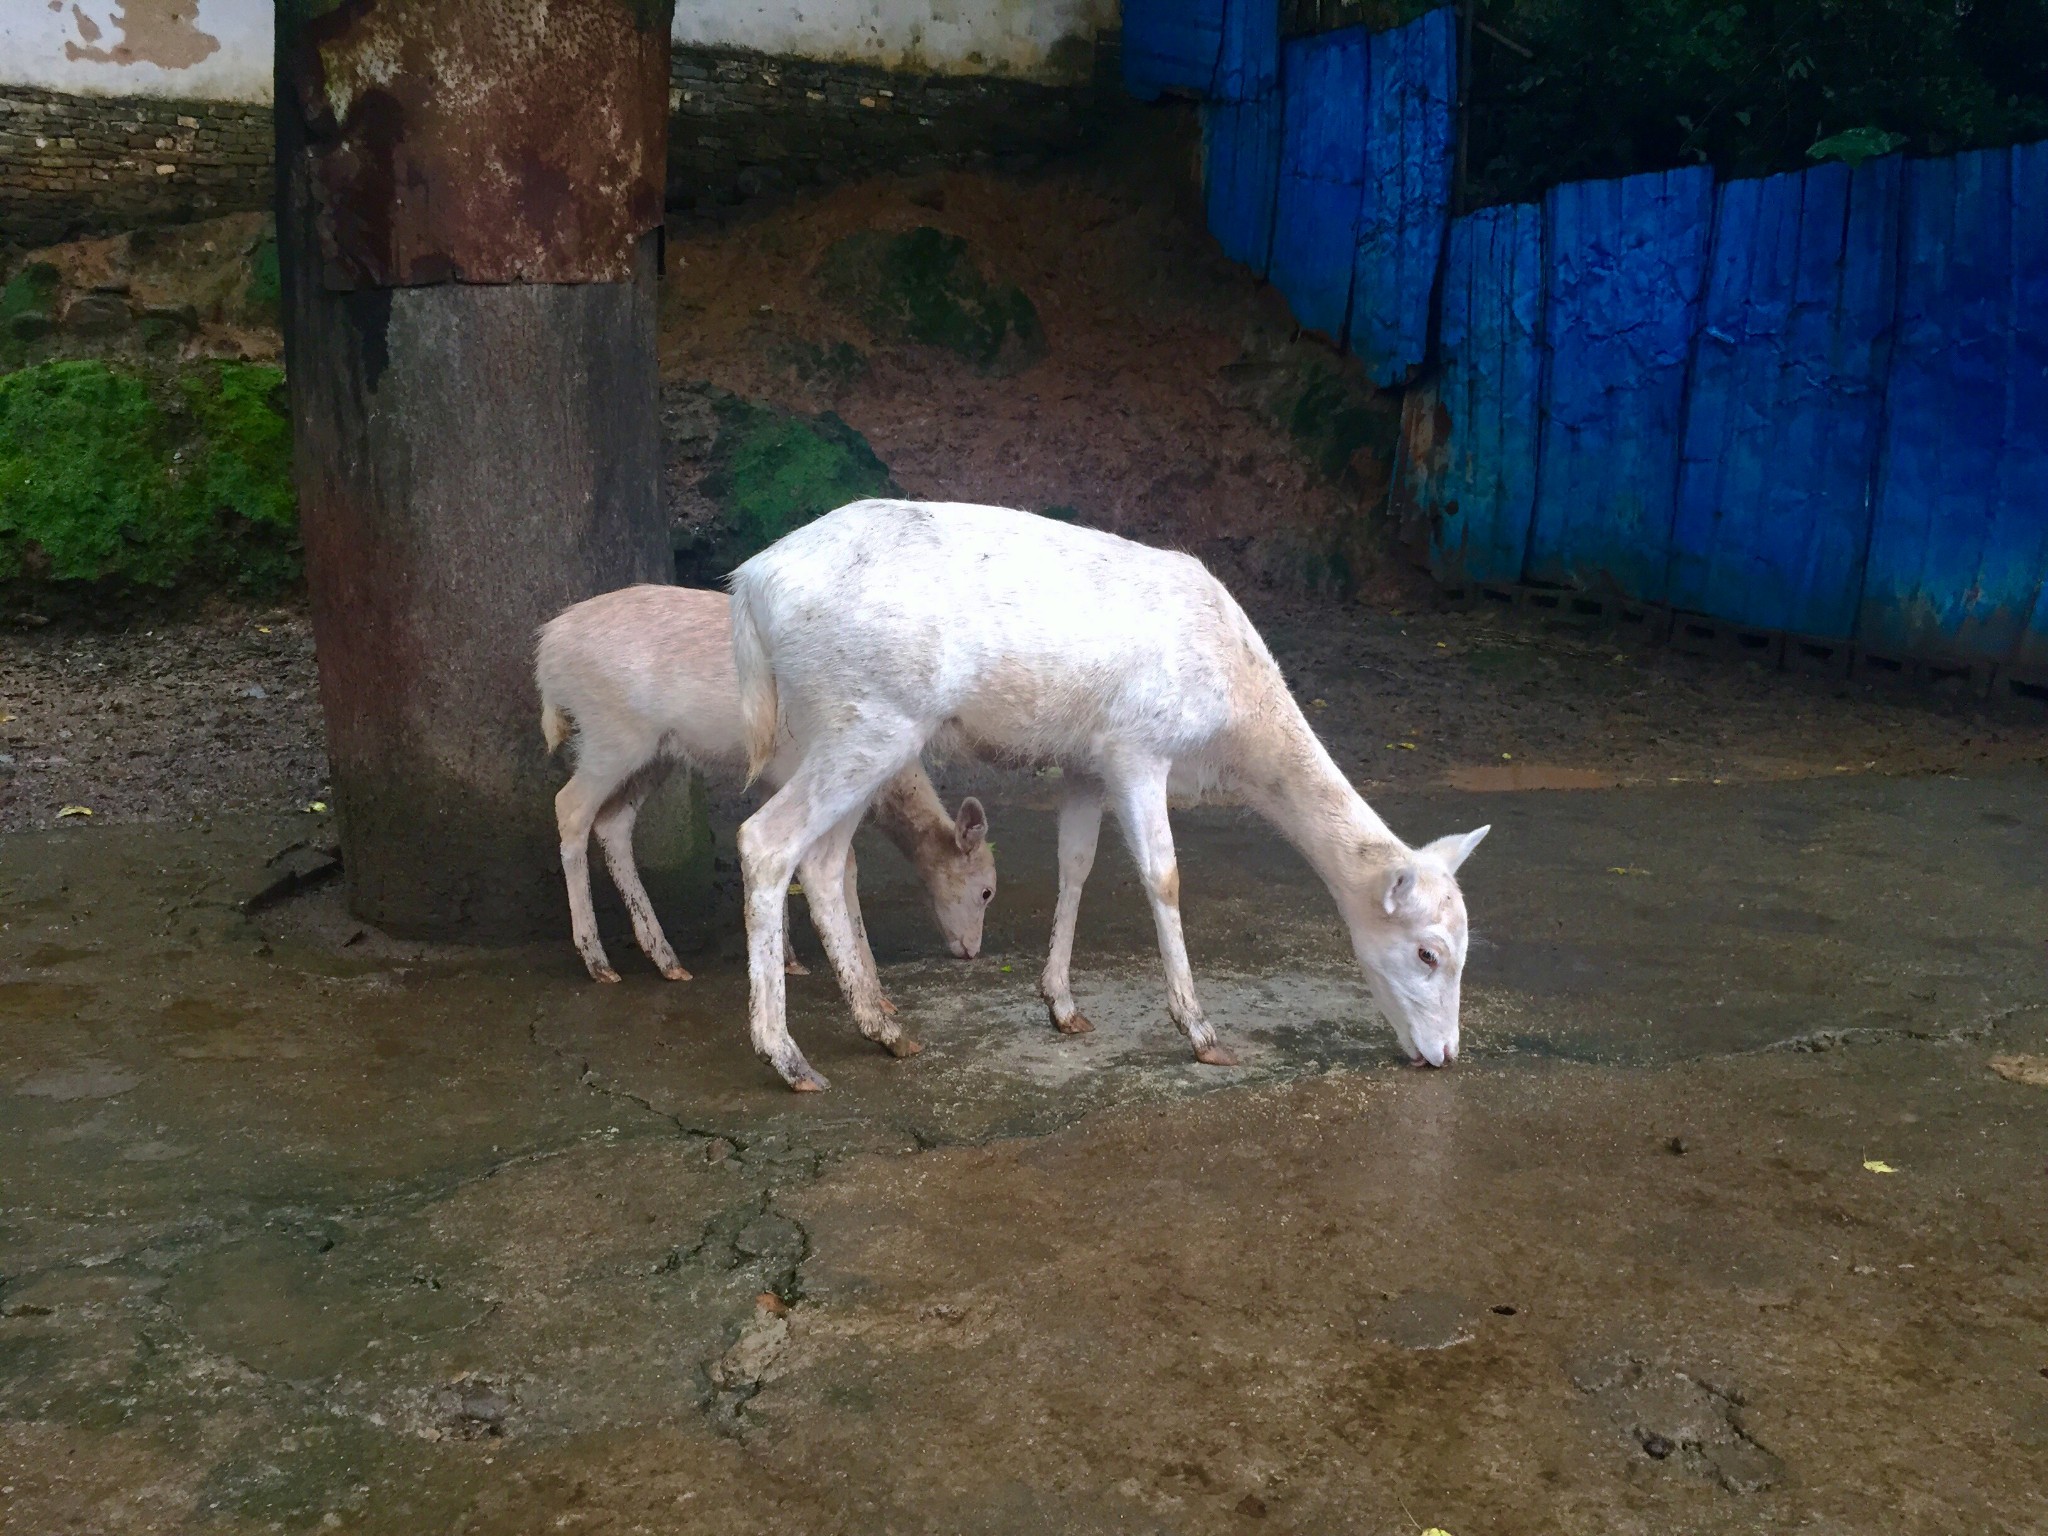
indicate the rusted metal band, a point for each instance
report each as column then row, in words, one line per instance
column 478, row 141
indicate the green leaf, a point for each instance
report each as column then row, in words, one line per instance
column 1856, row 145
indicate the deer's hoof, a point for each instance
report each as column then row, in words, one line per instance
column 603, row 973
column 1076, row 1025
column 676, row 973
column 1215, row 1056
column 796, row 968
column 901, row 1047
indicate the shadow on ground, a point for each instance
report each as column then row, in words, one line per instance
column 305, row 1230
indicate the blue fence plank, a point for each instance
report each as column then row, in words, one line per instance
column 1240, row 176
column 1405, row 207
column 2028, row 474
column 1470, row 436
column 1248, row 58
column 1960, row 536
column 1786, row 399
column 1171, row 45
column 1623, row 267
column 1322, row 174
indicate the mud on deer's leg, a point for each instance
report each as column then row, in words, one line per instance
column 833, row 784
column 576, row 809
column 824, row 876
column 615, row 836
column 860, row 929
column 1080, row 826
column 1141, row 807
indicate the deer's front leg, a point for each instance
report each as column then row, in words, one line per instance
column 1080, row 826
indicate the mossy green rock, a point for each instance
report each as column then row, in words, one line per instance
column 771, row 471
column 117, row 484
column 922, row 286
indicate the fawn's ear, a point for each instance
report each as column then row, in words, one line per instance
column 1456, row 849
column 1400, row 890
column 970, row 825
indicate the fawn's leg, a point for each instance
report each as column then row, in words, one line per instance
column 577, row 804
column 615, row 836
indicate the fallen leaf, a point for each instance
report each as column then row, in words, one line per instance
column 2031, row 1070
column 1436, row 1530
column 1319, row 703
column 74, row 810
column 317, row 807
column 1006, row 970
column 1400, row 746
column 5, row 718
column 1625, row 869
column 1507, row 757
column 1877, row 1165
column 262, row 629
column 795, row 888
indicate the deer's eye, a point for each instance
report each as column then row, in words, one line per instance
column 1427, row 956
column 987, row 895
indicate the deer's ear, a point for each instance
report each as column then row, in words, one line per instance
column 1456, row 849
column 1400, row 888
column 970, row 825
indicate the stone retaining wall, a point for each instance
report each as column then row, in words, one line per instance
column 744, row 124
column 78, row 165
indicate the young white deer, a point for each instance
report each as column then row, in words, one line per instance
column 645, row 677
column 868, row 633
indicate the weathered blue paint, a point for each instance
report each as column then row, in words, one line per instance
column 1240, row 176
column 1405, row 206
column 1322, row 175
column 1470, row 438
column 1624, row 262
column 1225, row 50
column 1248, row 55
column 1785, row 404
column 1960, row 538
column 1171, row 45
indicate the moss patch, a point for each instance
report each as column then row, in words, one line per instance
column 118, row 484
column 922, row 286
column 768, row 472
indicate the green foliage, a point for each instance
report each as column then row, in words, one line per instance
column 116, row 485
column 922, row 285
column 771, row 472
column 1856, row 145
column 1620, row 86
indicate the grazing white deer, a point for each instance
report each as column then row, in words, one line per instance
column 644, row 676
column 865, row 635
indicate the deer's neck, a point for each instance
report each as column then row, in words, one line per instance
column 1284, row 772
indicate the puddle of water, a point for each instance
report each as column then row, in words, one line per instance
column 1488, row 777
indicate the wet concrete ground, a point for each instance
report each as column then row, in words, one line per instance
column 303, row 1231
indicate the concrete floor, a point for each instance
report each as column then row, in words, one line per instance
column 303, row 1231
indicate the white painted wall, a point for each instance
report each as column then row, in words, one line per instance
column 210, row 50
column 982, row 37
column 220, row 50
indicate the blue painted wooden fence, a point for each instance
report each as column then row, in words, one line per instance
column 1960, row 539
column 1622, row 273
column 1226, row 50
column 1816, row 402
column 1410, row 94
column 1786, row 397
column 1470, row 433
column 1322, row 176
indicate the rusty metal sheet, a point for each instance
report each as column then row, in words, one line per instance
column 482, row 141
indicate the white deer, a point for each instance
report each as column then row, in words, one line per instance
column 885, row 625
column 644, row 677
